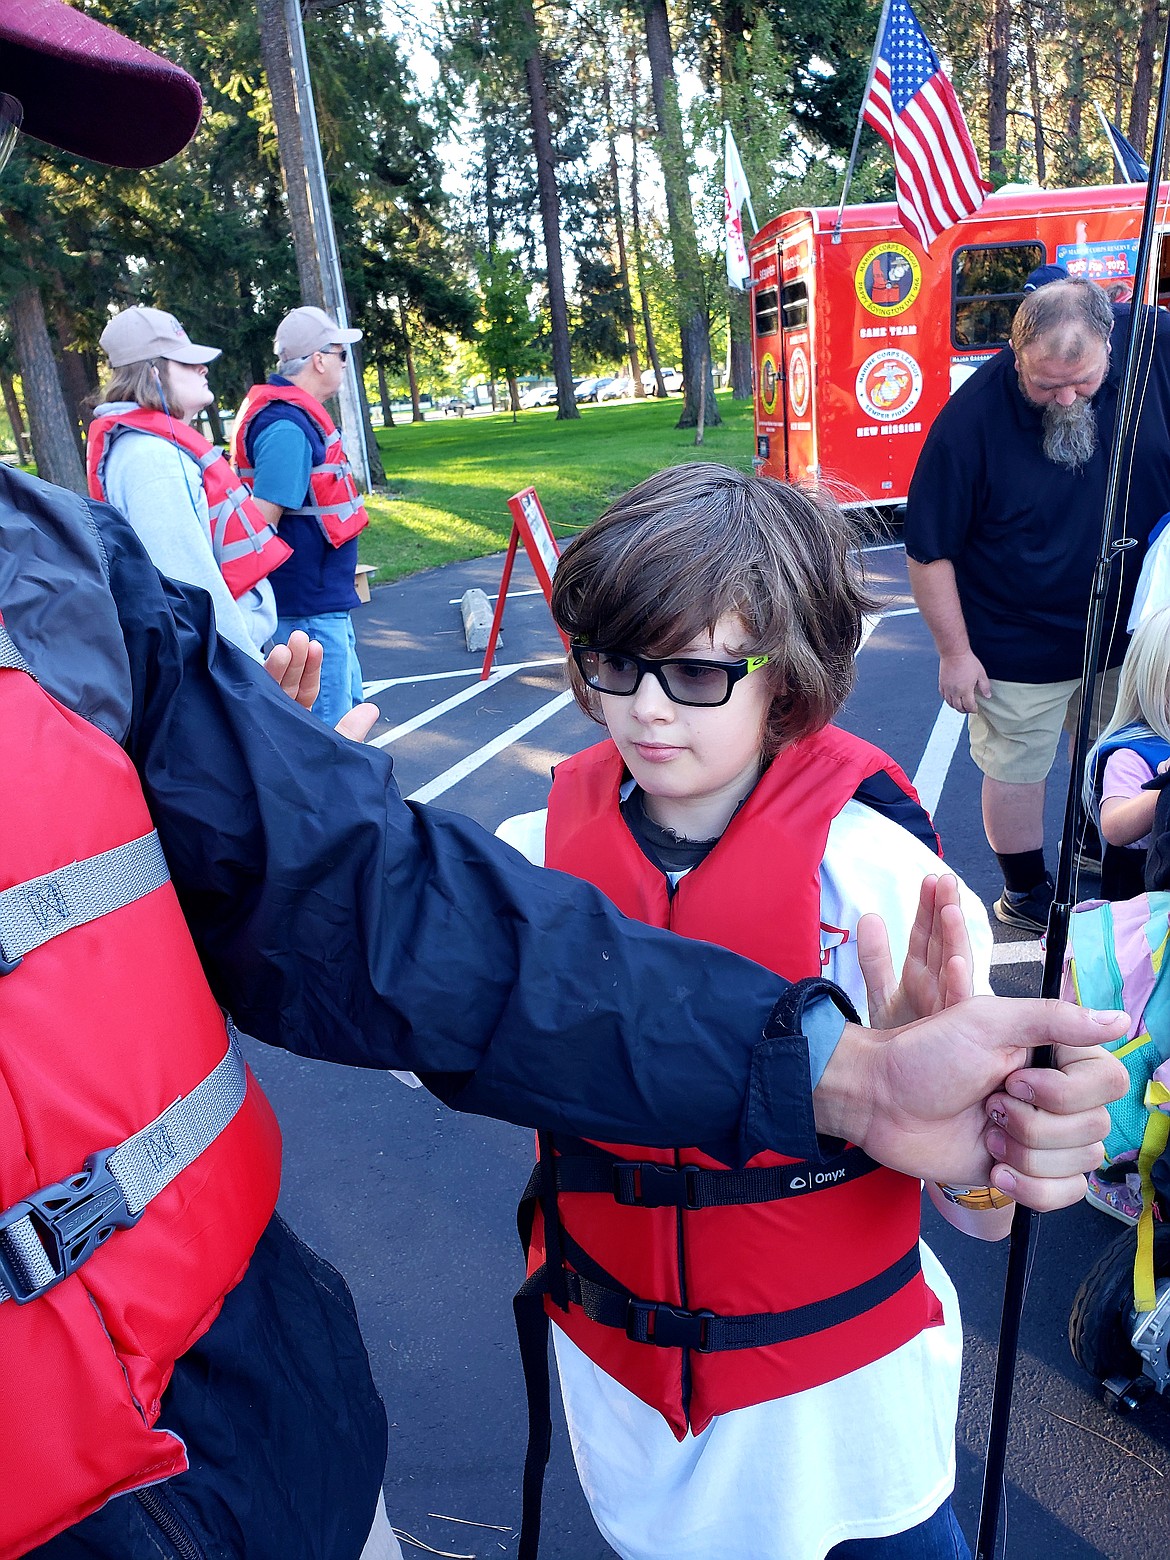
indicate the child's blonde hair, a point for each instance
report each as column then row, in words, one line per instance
column 1143, row 696
column 685, row 547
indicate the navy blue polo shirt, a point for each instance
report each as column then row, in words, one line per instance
column 1024, row 533
column 318, row 577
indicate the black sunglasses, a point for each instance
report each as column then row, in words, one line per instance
column 701, row 684
column 338, row 352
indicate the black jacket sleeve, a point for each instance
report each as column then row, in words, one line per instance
column 339, row 921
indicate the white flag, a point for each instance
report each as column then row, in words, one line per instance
column 735, row 193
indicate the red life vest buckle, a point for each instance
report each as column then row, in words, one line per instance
column 668, row 1326
column 63, row 1225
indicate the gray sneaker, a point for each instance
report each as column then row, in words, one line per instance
column 1028, row 911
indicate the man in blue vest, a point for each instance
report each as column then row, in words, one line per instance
column 284, row 452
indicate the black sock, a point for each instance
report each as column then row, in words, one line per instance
column 1022, row 871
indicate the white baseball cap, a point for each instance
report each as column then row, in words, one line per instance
column 308, row 330
column 139, row 334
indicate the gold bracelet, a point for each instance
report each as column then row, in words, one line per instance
column 980, row 1198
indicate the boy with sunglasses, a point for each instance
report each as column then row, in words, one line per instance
column 288, row 451
column 716, row 1327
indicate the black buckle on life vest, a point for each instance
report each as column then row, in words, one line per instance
column 8, row 965
column 668, row 1326
column 641, row 1184
column 70, row 1219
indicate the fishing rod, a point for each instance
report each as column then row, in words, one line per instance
column 1114, row 542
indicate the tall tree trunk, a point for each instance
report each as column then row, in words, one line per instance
column 624, row 298
column 1075, row 98
column 416, row 411
column 384, row 396
column 999, row 41
column 54, row 447
column 636, row 234
column 550, row 211
column 76, row 385
column 514, row 395
column 216, row 422
column 277, row 62
column 1037, row 100
column 12, row 407
column 1139, row 103
column 688, row 272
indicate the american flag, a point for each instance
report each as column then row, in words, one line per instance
column 912, row 105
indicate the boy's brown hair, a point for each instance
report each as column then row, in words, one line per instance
column 669, row 558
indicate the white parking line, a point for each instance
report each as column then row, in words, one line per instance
column 494, row 595
column 1017, row 953
column 371, row 688
column 483, row 755
column 452, row 703
column 935, row 763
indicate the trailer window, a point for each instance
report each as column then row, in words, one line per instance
column 988, row 287
column 767, row 312
column 794, row 305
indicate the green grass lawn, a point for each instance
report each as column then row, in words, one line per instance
column 450, row 479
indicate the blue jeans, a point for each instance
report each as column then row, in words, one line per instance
column 341, row 673
column 938, row 1538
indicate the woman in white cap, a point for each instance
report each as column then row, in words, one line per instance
column 145, row 457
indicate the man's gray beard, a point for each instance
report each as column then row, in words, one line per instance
column 1070, row 433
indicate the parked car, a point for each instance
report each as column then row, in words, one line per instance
column 589, row 389
column 618, row 389
column 542, row 394
column 671, row 378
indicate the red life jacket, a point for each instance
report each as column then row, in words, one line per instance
column 337, row 506
column 103, row 1027
column 246, row 547
column 748, row 1285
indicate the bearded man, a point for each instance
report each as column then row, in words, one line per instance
column 1002, row 534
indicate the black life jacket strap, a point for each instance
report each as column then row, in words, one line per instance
column 532, row 1337
column 644, row 1184
column 606, row 1302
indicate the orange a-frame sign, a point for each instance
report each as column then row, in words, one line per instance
column 530, row 526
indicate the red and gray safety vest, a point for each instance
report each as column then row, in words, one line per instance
column 246, row 547
column 333, row 501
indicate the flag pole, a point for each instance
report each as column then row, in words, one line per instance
column 877, row 43
column 1105, row 125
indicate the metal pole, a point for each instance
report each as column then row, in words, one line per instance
column 352, row 427
column 877, row 43
column 1138, row 357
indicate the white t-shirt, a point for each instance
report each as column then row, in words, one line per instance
column 869, row 1454
column 158, row 487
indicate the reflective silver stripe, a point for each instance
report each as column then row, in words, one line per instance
column 146, row 1163
column 33, row 913
column 342, row 510
column 10, row 657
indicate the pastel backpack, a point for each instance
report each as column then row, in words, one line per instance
column 1117, row 958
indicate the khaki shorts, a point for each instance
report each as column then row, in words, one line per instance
column 1014, row 733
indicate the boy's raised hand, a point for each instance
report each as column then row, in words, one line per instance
column 939, row 967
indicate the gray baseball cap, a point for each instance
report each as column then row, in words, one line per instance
column 308, row 330
column 139, row 334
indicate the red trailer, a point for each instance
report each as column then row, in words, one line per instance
column 858, row 343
